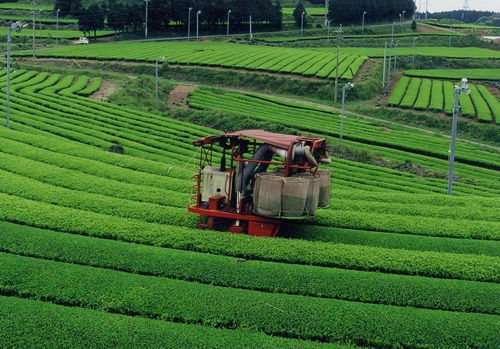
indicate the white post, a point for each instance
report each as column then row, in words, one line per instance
column 197, row 25
column 146, row 28
column 363, row 23
column 328, row 31
column 7, row 110
column 339, row 31
column 456, row 108
column 228, row 16
column 396, row 55
column 347, row 86
column 17, row 27
column 326, row 12
column 390, row 57
column 383, row 74
column 451, row 28
column 159, row 59
column 189, row 22
column 40, row 22
column 34, row 29
column 302, row 24
column 251, row 35
column 413, row 59
column 57, row 26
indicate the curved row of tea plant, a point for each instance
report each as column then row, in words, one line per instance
column 69, row 142
column 456, row 74
column 75, row 156
column 324, row 122
column 416, row 93
column 38, row 324
column 299, row 317
column 44, row 215
column 395, row 241
column 226, row 55
column 305, row 280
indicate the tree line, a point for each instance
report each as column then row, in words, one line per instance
column 351, row 11
column 123, row 16
column 126, row 16
column 465, row 16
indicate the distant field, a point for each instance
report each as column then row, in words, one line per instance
column 459, row 25
column 353, row 36
column 16, row 6
column 99, row 251
column 451, row 52
column 311, row 11
column 476, row 74
column 47, row 19
column 437, row 95
column 251, row 57
column 62, row 34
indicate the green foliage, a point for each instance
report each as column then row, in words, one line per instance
column 493, row 103
column 293, row 316
column 471, row 267
column 474, row 106
column 377, row 11
column 114, row 236
column 456, row 74
column 398, row 92
column 215, row 54
column 253, row 275
column 299, row 15
column 39, row 324
column 312, row 120
column 94, row 85
column 424, row 95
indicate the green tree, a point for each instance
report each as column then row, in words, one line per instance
column 91, row 19
column 159, row 14
column 276, row 15
column 68, row 7
column 380, row 10
column 297, row 14
column 116, row 16
column 134, row 17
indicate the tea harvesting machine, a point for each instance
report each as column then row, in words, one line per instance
column 244, row 191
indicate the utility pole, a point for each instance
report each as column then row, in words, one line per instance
column 17, row 27
column 458, row 90
column 34, row 29
column 390, row 57
column 383, row 73
column 146, row 28
column 338, row 31
column 189, row 22
column 363, row 23
column 346, row 87
column 326, row 12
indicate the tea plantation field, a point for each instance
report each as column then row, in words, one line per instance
column 439, row 95
column 218, row 54
column 97, row 248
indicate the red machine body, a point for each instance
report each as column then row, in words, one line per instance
column 227, row 192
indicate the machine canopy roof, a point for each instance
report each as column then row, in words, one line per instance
column 275, row 139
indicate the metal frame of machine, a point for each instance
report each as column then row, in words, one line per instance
column 227, row 191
